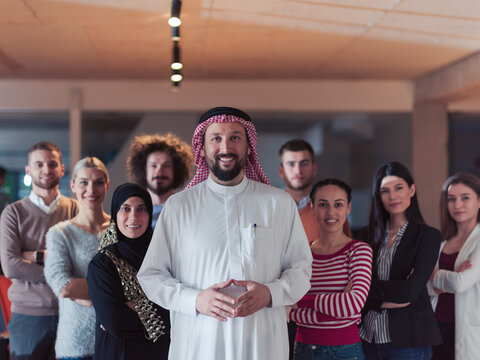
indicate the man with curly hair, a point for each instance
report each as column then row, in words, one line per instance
column 161, row 163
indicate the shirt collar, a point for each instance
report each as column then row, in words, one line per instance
column 227, row 190
column 304, row 202
column 38, row 201
column 399, row 234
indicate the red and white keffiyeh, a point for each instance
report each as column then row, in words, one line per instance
column 253, row 170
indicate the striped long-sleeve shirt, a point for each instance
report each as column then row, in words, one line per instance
column 327, row 315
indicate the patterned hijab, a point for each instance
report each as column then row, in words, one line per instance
column 253, row 169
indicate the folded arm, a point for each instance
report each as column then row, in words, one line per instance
column 459, row 281
column 407, row 290
column 14, row 265
column 106, row 294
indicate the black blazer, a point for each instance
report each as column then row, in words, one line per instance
column 412, row 265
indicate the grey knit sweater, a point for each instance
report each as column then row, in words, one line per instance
column 69, row 250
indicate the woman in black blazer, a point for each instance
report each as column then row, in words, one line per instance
column 398, row 321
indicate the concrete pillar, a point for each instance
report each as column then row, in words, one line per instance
column 430, row 156
column 75, row 116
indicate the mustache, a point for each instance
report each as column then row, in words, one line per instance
column 219, row 156
column 160, row 178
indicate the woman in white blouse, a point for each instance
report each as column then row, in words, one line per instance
column 456, row 279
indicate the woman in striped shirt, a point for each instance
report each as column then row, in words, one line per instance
column 328, row 315
column 399, row 322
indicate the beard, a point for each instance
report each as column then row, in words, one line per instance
column 159, row 188
column 46, row 184
column 226, row 175
column 303, row 186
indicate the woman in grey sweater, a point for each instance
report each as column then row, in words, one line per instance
column 70, row 247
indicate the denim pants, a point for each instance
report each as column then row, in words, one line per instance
column 327, row 352
column 390, row 351
column 32, row 337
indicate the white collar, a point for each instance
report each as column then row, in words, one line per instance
column 227, row 190
column 38, row 201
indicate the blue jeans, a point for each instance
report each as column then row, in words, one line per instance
column 390, row 351
column 32, row 337
column 327, row 352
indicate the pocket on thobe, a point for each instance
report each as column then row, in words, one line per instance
column 257, row 244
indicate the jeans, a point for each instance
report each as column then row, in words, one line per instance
column 327, row 352
column 390, row 351
column 32, row 337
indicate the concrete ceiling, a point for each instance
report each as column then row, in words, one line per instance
column 231, row 39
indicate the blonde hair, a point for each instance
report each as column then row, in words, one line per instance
column 90, row 162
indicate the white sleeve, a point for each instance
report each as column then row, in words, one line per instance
column 155, row 275
column 457, row 282
column 294, row 281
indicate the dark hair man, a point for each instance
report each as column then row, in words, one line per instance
column 298, row 169
column 160, row 163
column 23, row 226
column 232, row 252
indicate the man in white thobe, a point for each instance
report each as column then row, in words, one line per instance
column 229, row 253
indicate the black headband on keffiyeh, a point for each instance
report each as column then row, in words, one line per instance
column 253, row 169
column 224, row 110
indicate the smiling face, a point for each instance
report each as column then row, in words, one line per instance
column 297, row 169
column 45, row 168
column 89, row 186
column 331, row 208
column 463, row 203
column 159, row 172
column 396, row 195
column 225, row 150
column 133, row 217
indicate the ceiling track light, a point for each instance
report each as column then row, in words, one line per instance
column 176, row 33
column 174, row 20
column 176, row 63
column 176, row 76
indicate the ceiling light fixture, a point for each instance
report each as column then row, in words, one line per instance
column 176, row 76
column 176, row 63
column 176, row 33
column 174, row 20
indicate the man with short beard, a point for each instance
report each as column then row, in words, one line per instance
column 160, row 163
column 232, row 252
column 23, row 226
column 298, row 169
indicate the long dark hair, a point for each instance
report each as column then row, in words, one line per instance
column 448, row 224
column 378, row 214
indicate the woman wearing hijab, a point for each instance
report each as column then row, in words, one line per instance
column 129, row 326
column 71, row 245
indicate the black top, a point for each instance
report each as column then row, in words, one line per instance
column 124, row 334
column 414, row 325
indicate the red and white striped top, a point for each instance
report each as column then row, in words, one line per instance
column 326, row 315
